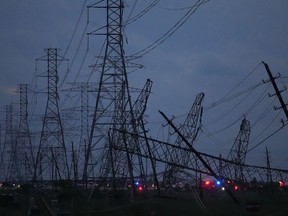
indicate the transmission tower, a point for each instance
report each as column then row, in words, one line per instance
column 137, row 127
column 51, row 160
column 189, row 129
column 22, row 155
column 9, row 146
column 238, row 151
column 113, row 109
column 84, row 88
column 140, row 107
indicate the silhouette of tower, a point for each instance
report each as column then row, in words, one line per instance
column 238, row 151
column 113, row 109
column 51, row 159
column 9, row 145
column 85, row 89
column 189, row 129
column 21, row 166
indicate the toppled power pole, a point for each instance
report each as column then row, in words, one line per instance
column 277, row 91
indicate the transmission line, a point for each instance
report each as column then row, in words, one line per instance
column 75, row 55
column 70, row 41
column 172, row 30
column 179, row 9
column 141, row 14
column 259, row 100
column 225, row 99
column 265, row 139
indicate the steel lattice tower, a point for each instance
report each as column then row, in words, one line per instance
column 84, row 88
column 9, row 147
column 189, row 129
column 22, row 161
column 6, row 146
column 238, row 151
column 51, row 160
column 113, row 109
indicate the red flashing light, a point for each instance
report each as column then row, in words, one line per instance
column 207, row 183
column 140, row 188
column 281, row 183
column 236, row 187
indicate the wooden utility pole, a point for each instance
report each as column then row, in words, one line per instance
column 277, row 91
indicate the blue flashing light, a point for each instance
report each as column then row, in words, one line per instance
column 137, row 183
column 218, row 182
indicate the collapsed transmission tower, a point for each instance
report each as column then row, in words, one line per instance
column 51, row 160
column 238, row 151
column 189, row 129
column 113, row 109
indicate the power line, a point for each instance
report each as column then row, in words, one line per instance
column 71, row 39
column 266, row 111
column 141, row 14
column 224, row 98
column 249, row 90
column 259, row 100
column 172, row 30
column 265, row 139
column 178, row 9
column 75, row 55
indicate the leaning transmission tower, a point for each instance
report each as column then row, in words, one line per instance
column 238, row 151
column 113, row 110
column 189, row 129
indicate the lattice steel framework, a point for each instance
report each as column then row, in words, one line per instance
column 8, row 146
column 137, row 126
column 217, row 167
column 81, row 140
column 189, row 129
column 238, row 151
column 51, row 160
column 113, row 109
column 23, row 159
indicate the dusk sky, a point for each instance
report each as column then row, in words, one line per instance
column 218, row 50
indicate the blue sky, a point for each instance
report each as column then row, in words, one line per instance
column 216, row 48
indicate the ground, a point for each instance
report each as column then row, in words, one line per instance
column 180, row 204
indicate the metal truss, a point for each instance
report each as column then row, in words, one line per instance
column 51, row 159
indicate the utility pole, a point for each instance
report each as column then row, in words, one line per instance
column 199, row 156
column 277, row 91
